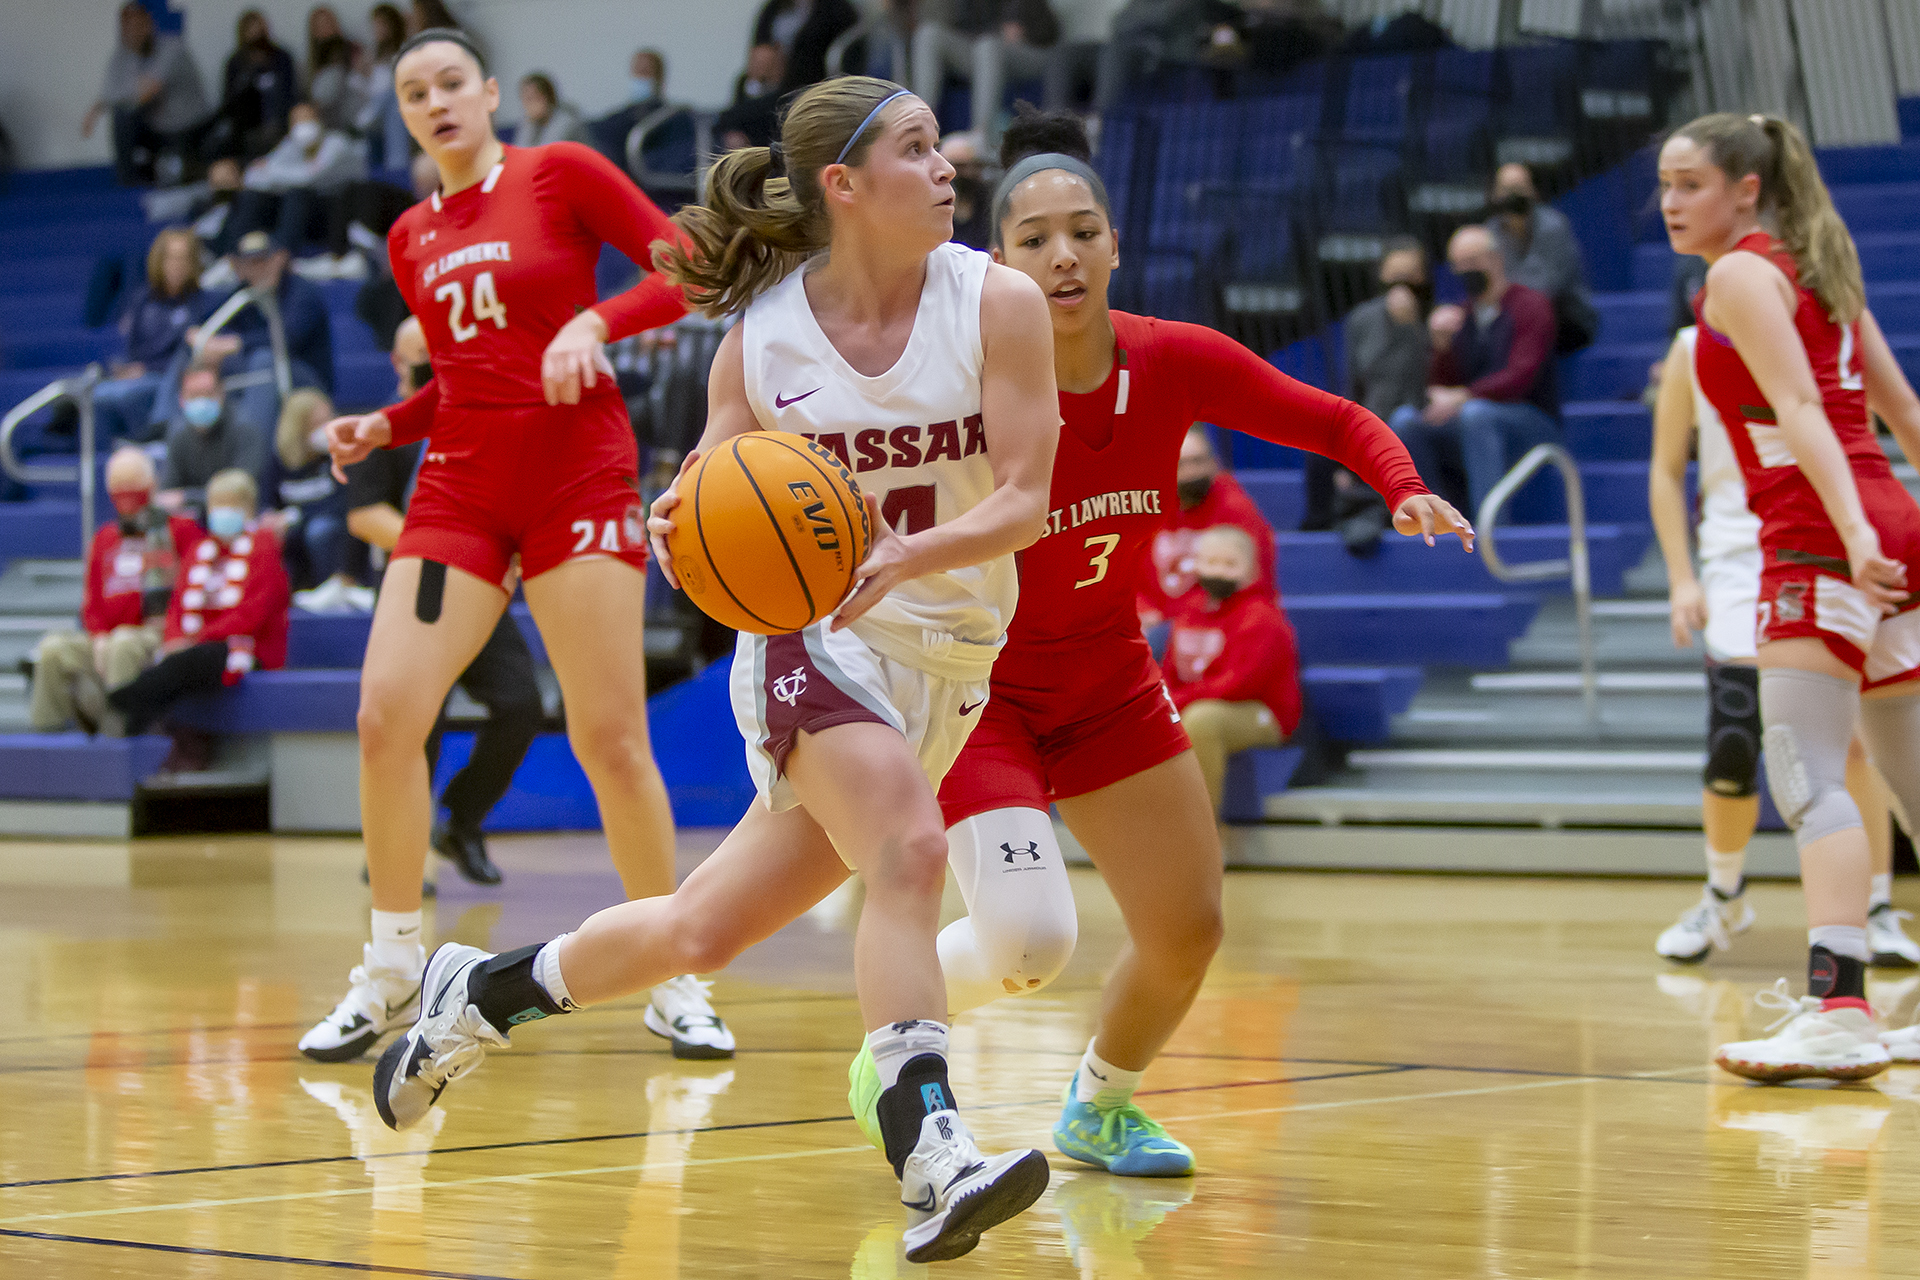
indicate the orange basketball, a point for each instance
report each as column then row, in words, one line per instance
column 769, row 530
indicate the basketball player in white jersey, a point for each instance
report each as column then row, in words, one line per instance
column 1721, row 603
column 929, row 371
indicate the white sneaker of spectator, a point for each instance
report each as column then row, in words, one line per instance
column 329, row 597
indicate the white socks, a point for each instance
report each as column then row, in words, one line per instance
column 1103, row 1084
column 1724, row 870
column 396, row 941
column 898, row 1043
column 1841, row 939
column 1882, row 895
column 546, row 972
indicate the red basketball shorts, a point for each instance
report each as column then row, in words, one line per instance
column 1061, row 725
column 1809, row 596
column 546, row 483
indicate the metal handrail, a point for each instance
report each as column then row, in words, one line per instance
column 695, row 182
column 1575, row 566
column 79, row 389
column 269, row 306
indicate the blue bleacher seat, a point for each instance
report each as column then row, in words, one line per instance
column 1607, row 430
column 1461, row 629
column 1540, row 79
column 1357, row 704
column 1319, row 563
column 1379, row 99
column 1610, row 370
column 1254, row 775
column 73, row 766
column 1638, row 316
column 292, row 701
column 42, row 529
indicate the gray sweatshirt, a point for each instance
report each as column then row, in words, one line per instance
column 182, row 100
column 1386, row 362
column 195, row 456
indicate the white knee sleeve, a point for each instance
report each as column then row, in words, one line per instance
column 1809, row 721
column 1891, row 727
column 1022, row 924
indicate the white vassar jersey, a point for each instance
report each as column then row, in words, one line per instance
column 1727, row 526
column 913, row 436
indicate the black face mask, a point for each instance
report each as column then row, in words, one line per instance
column 1476, row 282
column 1422, row 292
column 421, row 374
column 1517, row 203
column 1194, row 492
column 1218, row 588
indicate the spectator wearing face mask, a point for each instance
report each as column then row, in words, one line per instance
column 1232, row 667
column 753, row 118
column 1206, row 496
column 1492, row 392
column 1387, row 356
column 246, row 346
column 308, row 507
column 294, row 187
column 646, row 94
column 1540, row 251
column 132, row 562
column 155, row 324
column 227, row 616
column 206, row 440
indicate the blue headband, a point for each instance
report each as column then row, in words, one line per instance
column 897, row 93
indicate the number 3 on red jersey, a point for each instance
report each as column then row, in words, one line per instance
column 486, row 305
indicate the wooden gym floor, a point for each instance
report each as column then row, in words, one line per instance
column 1398, row 1076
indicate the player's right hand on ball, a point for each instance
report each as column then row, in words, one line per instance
column 352, row 438
column 660, row 521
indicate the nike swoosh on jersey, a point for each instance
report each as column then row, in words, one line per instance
column 966, row 710
column 781, row 402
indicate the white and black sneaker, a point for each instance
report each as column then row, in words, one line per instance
column 377, row 1001
column 450, row 1039
column 681, row 1012
column 1705, row 927
column 954, row 1192
column 1887, row 940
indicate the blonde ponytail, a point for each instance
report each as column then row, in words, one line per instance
column 1794, row 196
column 758, row 223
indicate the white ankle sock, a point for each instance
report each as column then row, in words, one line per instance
column 1103, row 1084
column 1841, row 939
column 1882, row 895
column 546, row 972
column 1724, row 870
column 898, row 1043
column 396, row 941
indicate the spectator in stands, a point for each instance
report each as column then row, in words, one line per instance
column 131, row 565
column 259, row 88
column 1149, row 34
column 153, row 94
column 379, row 122
column 983, row 42
column 262, row 266
column 544, row 117
column 336, row 70
column 646, row 94
column 155, row 325
column 225, row 182
column 1232, row 666
column 228, row 616
column 804, row 30
column 308, row 507
column 1387, row 357
column 205, row 440
column 379, row 303
column 1206, row 496
column 1491, row 391
column 1540, row 251
column 500, row 677
column 968, row 152
column 422, row 14
column 294, row 188
column 752, row 119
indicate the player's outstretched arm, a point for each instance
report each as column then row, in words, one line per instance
column 1667, row 494
column 1020, row 413
column 728, row 415
column 1746, row 301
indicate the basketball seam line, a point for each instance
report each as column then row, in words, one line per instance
column 841, row 499
column 707, row 552
column 780, row 533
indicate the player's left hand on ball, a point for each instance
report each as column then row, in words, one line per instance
column 1427, row 515
column 888, row 564
column 576, row 358
column 660, row 521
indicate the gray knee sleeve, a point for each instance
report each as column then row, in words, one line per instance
column 1891, row 727
column 1809, row 721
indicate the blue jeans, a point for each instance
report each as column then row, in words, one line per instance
column 123, row 407
column 316, row 547
column 1488, row 436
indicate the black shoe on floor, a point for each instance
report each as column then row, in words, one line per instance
column 467, row 851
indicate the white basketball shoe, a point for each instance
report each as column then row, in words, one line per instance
column 954, row 1192
column 1887, row 940
column 378, row 1000
column 1816, row 1043
column 681, row 1012
column 1708, row 925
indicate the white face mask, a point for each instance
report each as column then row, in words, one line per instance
column 305, row 132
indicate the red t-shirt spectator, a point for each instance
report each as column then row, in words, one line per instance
column 122, row 568
column 1241, row 651
column 238, row 593
column 1168, row 577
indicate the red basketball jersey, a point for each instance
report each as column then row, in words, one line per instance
column 494, row 271
column 1777, row 490
column 1113, row 474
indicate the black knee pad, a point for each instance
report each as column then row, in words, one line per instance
column 1733, row 730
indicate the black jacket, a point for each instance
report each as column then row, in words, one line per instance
column 807, row 58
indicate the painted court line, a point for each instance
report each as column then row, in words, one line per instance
column 330, row 1264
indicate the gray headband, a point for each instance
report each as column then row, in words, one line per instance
column 1040, row 163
